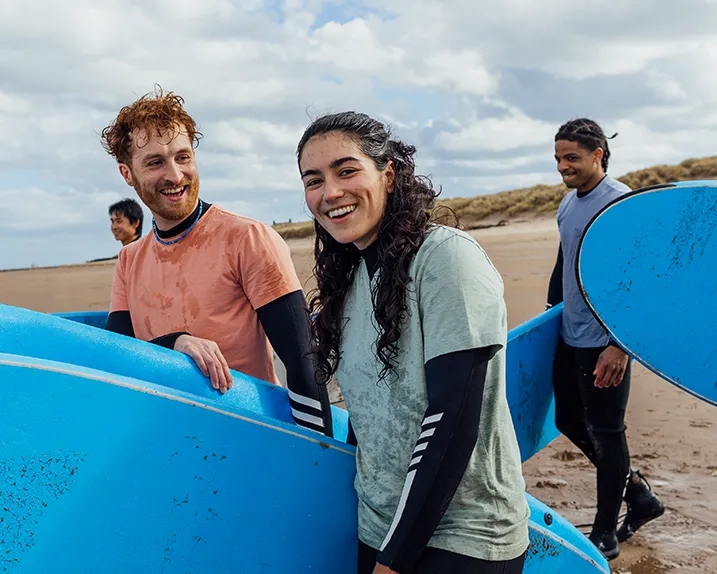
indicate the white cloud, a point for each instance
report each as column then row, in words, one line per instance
column 459, row 72
column 504, row 133
column 254, row 72
column 620, row 57
column 638, row 146
column 241, row 134
column 352, row 47
column 36, row 209
column 11, row 105
column 494, row 165
column 493, row 184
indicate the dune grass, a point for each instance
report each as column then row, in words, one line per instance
column 539, row 199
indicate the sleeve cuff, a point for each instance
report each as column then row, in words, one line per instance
column 169, row 340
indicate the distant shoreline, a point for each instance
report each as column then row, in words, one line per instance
column 506, row 207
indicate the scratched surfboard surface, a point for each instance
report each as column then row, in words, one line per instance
column 529, row 380
column 103, row 473
column 109, row 474
column 647, row 267
column 529, row 361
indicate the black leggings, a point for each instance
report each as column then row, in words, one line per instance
column 435, row 561
column 594, row 421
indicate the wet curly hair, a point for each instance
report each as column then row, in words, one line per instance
column 157, row 112
column 406, row 220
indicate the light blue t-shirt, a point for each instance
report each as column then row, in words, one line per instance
column 579, row 326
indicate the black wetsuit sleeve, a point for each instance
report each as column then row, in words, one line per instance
column 555, row 287
column 351, row 435
column 121, row 322
column 454, row 384
column 169, row 340
column 286, row 324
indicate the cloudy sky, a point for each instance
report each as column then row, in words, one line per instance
column 479, row 86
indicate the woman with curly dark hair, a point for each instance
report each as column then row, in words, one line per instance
column 411, row 319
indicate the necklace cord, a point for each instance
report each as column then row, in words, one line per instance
column 183, row 235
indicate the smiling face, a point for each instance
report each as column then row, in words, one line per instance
column 124, row 231
column 163, row 171
column 581, row 169
column 344, row 190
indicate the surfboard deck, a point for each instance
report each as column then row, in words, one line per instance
column 102, row 473
column 647, row 267
column 529, row 380
column 529, row 362
column 106, row 474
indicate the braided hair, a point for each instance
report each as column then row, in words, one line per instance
column 588, row 134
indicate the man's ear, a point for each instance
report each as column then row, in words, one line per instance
column 598, row 155
column 126, row 174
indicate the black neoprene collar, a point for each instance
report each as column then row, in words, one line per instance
column 370, row 255
column 184, row 225
column 582, row 194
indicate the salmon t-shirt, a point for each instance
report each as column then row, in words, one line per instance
column 210, row 284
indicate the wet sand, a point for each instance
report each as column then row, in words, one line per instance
column 672, row 436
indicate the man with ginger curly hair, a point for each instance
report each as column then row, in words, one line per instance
column 214, row 285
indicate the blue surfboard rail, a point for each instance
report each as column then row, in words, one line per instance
column 529, row 360
column 647, row 268
column 106, row 473
column 77, row 342
column 92, row 318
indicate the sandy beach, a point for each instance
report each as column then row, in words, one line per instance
column 671, row 434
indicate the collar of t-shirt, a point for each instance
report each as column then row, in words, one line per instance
column 582, row 194
column 370, row 256
column 184, row 225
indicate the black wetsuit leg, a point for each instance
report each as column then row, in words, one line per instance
column 593, row 419
column 436, row 561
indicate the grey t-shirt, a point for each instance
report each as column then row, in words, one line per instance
column 455, row 302
column 579, row 326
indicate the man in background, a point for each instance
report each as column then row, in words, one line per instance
column 126, row 219
column 591, row 378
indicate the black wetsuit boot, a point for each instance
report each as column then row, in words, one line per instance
column 642, row 506
column 606, row 543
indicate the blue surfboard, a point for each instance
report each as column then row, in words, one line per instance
column 529, row 363
column 647, row 267
column 109, row 474
column 529, row 380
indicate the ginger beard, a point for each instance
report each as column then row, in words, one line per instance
column 167, row 201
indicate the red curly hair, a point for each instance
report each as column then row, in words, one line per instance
column 157, row 112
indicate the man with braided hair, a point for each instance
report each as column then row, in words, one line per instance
column 591, row 377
